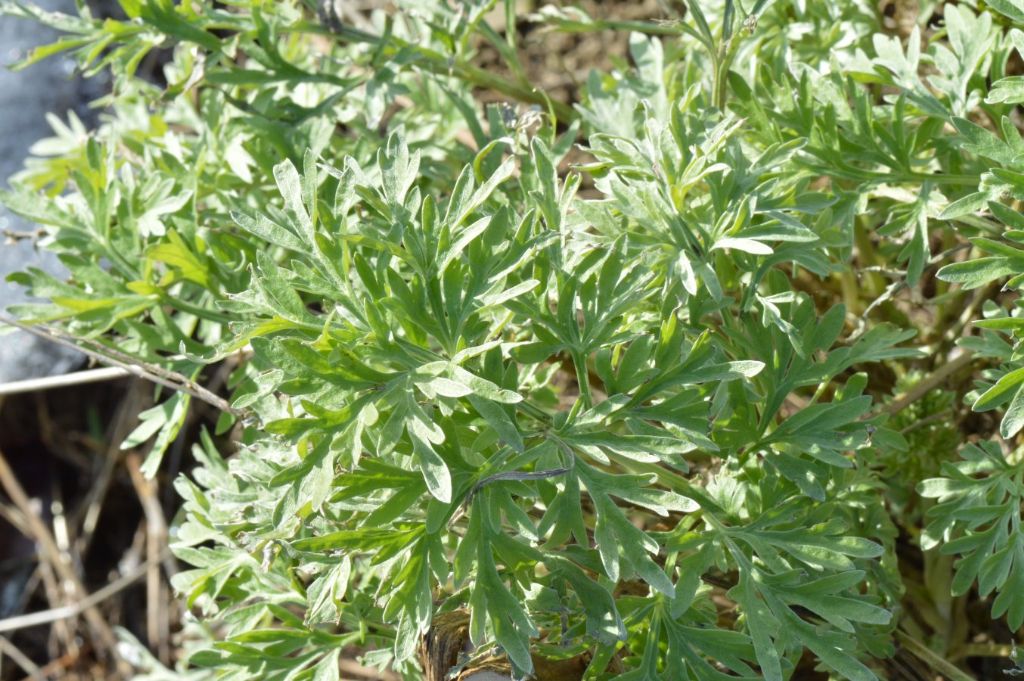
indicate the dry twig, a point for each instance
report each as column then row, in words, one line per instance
column 127, row 416
column 32, row 385
column 933, row 380
column 28, row 666
column 111, row 357
column 52, row 555
column 83, row 605
column 156, row 539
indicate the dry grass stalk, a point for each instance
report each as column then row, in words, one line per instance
column 157, row 634
column 50, row 552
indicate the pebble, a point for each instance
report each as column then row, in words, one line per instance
column 25, row 98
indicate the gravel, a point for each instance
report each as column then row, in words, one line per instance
column 25, row 99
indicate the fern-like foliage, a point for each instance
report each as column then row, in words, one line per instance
column 599, row 374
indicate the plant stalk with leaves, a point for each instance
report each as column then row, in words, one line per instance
column 579, row 369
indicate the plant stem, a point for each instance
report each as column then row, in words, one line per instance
column 133, row 365
column 719, row 88
column 931, row 658
column 51, row 553
column 195, row 310
column 36, row 619
column 936, row 378
column 727, row 48
column 579, row 362
column 30, row 385
column 986, row 650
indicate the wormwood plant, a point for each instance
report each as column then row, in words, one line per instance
column 600, row 373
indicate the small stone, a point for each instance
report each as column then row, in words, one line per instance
column 25, row 99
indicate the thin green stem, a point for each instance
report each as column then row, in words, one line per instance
column 195, row 310
column 719, row 88
column 727, row 48
column 533, row 411
column 579, row 361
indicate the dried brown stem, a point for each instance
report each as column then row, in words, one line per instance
column 10, row 650
column 136, row 367
column 935, row 379
column 32, row 385
column 84, row 605
column 63, row 635
column 127, row 415
column 156, row 539
column 52, row 555
column 12, row 235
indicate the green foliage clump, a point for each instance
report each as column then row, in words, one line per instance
column 600, row 374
